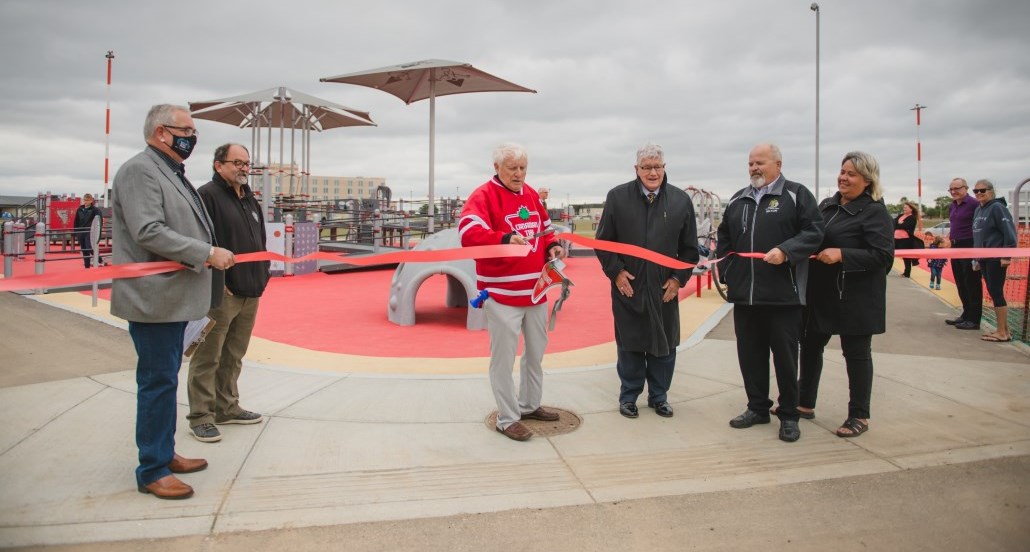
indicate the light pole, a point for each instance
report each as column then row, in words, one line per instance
column 815, row 7
column 919, row 164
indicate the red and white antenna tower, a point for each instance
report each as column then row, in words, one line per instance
column 107, row 130
column 919, row 164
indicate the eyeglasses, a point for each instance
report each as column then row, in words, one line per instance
column 649, row 168
column 187, row 131
column 240, row 164
column 956, row 189
column 980, row 190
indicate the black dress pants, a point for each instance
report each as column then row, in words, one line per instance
column 970, row 290
column 761, row 329
column 87, row 248
column 858, row 357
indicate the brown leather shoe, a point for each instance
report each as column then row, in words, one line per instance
column 168, row 487
column 541, row 414
column 516, row 431
column 186, row 465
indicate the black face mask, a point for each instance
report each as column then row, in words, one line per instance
column 183, row 145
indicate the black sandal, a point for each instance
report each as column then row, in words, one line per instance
column 856, row 426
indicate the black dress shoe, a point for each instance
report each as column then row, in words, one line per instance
column 789, row 431
column 628, row 410
column 662, row 408
column 967, row 325
column 953, row 321
column 748, row 419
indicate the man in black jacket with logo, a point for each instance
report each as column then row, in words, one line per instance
column 215, row 366
column 778, row 219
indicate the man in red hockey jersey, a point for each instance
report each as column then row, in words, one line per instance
column 506, row 210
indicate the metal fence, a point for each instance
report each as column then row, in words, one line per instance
column 1016, row 293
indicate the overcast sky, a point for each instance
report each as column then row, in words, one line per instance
column 706, row 80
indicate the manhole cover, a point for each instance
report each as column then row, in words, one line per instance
column 567, row 423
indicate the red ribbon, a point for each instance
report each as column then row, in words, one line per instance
column 136, row 270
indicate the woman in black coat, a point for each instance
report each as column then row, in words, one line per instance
column 904, row 233
column 847, row 287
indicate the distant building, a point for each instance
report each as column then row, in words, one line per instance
column 289, row 182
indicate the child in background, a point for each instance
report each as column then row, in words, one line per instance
column 936, row 265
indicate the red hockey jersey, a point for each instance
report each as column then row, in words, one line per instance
column 492, row 211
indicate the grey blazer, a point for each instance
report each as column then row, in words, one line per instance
column 155, row 219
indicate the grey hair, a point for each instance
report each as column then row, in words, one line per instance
column 987, row 183
column 959, row 178
column 869, row 168
column 160, row 114
column 509, row 151
column 650, row 150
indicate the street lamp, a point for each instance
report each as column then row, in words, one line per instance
column 815, row 7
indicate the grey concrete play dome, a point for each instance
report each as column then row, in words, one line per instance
column 461, row 283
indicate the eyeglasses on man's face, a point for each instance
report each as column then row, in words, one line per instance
column 649, row 168
column 955, row 189
column 186, row 131
column 980, row 190
column 238, row 163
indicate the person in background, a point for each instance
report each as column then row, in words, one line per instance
column 970, row 290
column 780, row 220
column 847, row 291
column 506, row 210
column 904, row 233
column 651, row 213
column 84, row 216
column 993, row 228
column 544, row 194
column 936, row 265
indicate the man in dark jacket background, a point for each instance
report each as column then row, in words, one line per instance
column 647, row 212
column 84, row 216
column 780, row 219
column 215, row 367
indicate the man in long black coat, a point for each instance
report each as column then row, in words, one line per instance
column 649, row 213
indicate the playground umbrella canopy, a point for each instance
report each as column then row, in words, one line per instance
column 424, row 79
column 285, row 108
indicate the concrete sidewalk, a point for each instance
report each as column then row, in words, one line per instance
column 351, row 449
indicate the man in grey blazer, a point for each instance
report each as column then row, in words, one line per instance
column 158, row 216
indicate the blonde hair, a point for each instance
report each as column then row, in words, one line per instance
column 867, row 166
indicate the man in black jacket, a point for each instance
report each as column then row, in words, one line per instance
column 216, row 364
column 84, row 216
column 647, row 212
column 780, row 220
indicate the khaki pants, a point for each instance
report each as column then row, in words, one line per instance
column 505, row 323
column 216, row 364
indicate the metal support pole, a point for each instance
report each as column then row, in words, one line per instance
column 8, row 249
column 405, row 231
column 41, row 245
column 815, row 8
column 432, row 145
column 377, row 230
column 94, row 240
column 288, row 268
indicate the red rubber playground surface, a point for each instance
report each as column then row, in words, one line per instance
column 347, row 313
